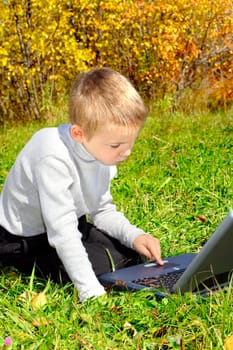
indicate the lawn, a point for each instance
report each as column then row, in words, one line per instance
column 177, row 185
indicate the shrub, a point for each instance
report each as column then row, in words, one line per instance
column 163, row 47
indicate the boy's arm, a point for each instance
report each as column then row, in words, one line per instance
column 117, row 225
column 60, row 218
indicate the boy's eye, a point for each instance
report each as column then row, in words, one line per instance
column 115, row 146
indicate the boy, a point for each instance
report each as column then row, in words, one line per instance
column 64, row 174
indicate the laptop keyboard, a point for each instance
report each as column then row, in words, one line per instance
column 166, row 281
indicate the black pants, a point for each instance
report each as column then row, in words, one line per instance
column 24, row 254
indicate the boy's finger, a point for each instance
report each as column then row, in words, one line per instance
column 156, row 255
column 159, row 260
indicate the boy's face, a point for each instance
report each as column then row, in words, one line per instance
column 110, row 145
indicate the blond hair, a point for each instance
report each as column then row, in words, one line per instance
column 103, row 96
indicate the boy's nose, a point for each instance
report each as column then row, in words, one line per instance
column 126, row 153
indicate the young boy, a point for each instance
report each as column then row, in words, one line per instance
column 63, row 175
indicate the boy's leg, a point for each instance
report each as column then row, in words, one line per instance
column 106, row 253
column 25, row 254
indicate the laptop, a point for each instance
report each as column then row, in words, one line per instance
column 201, row 273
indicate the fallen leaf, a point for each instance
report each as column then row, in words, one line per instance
column 86, row 318
column 39, row 300
column 40, row 321
column 174, row 341
column 116, row 308
column 130, row 328
column 26, row 296
column 155, row 313
column 228, row 343
column 201, row 218
column 120, row 283
column 160, row 332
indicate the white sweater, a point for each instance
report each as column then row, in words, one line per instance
column 53, row 182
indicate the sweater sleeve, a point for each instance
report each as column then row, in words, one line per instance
column 54, row 182
column 112, row 221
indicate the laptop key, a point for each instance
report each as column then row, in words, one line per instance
column 166, row 281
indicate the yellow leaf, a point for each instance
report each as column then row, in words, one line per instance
column 228, row 343
column 24, row 297
column 39, row 300
column 40, row 321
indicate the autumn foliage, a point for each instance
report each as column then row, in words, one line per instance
column 178, row 47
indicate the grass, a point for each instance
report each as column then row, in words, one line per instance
column 177, row 185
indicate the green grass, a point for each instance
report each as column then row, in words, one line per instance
column 178, row 185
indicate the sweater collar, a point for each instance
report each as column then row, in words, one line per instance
column 76, row 148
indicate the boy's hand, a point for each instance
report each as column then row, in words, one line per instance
column 148, row 246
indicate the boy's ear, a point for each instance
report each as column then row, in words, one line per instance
column 77, row 133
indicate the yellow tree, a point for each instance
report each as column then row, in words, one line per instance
column 38, row 52
column 162, row 46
